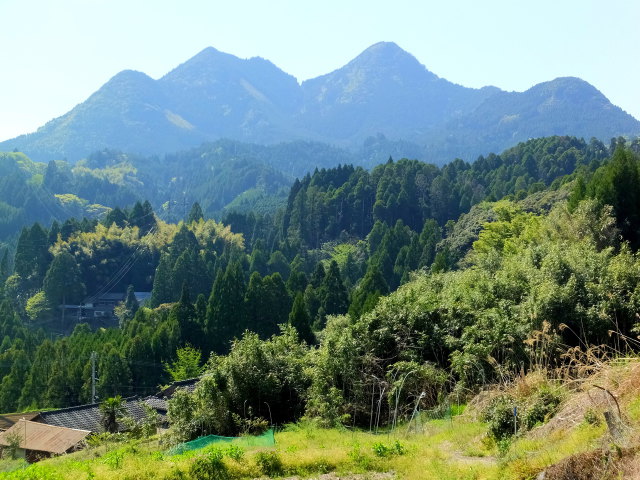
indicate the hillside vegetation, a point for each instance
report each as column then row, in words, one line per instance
column 573, row 443
column 362, row 305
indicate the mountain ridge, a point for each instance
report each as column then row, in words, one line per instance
column 383, row 91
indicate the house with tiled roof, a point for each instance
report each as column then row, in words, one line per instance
column 98, row 311
column 160, row 401
column 88, row 417
column 189, row 385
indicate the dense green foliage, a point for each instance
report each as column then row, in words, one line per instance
column 351, row 200
column 316, row 312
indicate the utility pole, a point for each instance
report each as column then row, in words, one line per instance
column 93, row 376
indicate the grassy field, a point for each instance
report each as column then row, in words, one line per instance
column 458, row 447
column 445, row 449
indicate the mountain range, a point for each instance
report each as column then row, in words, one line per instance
column 384, row 97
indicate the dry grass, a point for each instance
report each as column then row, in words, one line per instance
column 598, row 464
column 616, row 385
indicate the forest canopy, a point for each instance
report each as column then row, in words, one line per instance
column 362, row 277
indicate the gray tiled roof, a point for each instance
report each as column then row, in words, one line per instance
column 159, row 404
column 188, row 385
column 87, row 417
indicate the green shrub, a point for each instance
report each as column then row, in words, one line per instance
column 251, row 425
column 382, row 450
column 499, row 416
column 270, row 463
column 542, row 406
column 359, row 458
column 176, row 474
column 533, row 410
column 114, row 459
column 592, row 417
column 34, row 472
column 235, row 452
column 209, row 467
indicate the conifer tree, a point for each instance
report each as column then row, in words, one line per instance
column 297, row 281
column 36, row 381
column 300, row 320
column 258, row 260
column 130, row 301
column 182, row 273
column 225, row 313
column 335, row 299
column 616, row 184
column 184, row 240
column 4, row 266
column 429, row 237
column 138, row 353
column 63, row 283
column 312, row 303
column 127, row 309
column 195, row 214
column 32, row 255
column 367, row 293
column 201, row 311
column 253, row 300
column 142, row 216
column 162, row 282
column 54, row 231
column 184, row 314
column 117, row 216
column 114, row 375
column 317, row 277
column 11, row 384
column 277, row 305
column 58, row 392
column 69, row 228
column 279, row 264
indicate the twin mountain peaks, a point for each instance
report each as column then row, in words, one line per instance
column 384, row 93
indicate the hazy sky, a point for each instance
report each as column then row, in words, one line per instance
column 54, row 54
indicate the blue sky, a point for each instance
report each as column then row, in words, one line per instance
column 55, row 54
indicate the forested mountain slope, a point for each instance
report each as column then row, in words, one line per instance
column 383, row 93
column 533, row 252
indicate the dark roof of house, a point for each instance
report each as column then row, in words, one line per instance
column 117, row 297
column 44, row 438
column 87, row 417
column 158, row 404
column 8, row 420
column 189, row 385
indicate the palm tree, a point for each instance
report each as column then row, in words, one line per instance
column 112, row 410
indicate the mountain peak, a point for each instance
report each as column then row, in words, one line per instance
column 568, row 88
column 386, row 55
column 384, row 90
column 208, row 60
column 389, row 47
